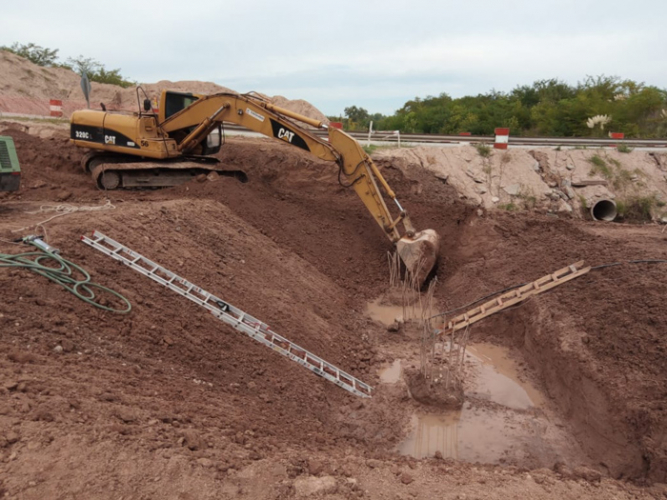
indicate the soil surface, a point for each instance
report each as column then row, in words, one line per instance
column 567, row 182
column 168, row 402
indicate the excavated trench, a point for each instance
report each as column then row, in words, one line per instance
column 546, row 381
column 534, row 396
column 505, row 417
column 499, row 422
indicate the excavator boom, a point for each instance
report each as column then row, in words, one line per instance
column 184, row 132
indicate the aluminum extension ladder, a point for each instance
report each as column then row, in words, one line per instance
column 229, row 314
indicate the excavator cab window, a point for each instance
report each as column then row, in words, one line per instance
column 176, row 101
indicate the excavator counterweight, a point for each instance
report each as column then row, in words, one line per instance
column 170, row 146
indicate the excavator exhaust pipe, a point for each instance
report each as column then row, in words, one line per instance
column 419, row 253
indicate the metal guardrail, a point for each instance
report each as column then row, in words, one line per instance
column 513, row 141
column 388, row 137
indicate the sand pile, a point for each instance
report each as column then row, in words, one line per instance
column 26, row 88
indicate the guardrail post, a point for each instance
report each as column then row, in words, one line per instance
column 616, row 135
column 56, row 107
column 502, row 138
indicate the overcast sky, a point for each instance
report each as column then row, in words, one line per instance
column 336, row 53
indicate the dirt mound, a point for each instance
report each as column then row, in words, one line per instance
column 134, row 402
column 26, row 88
column 22, row 78
column 300, row 106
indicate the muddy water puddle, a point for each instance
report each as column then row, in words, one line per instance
column 392, row 373
column 501, row 421
column 387, row 314
column 497, row 378
column 473, row 435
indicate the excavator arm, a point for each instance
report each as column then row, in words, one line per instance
column 256, row 114
column 355, row 165
column 133, row 150
column 418, row 250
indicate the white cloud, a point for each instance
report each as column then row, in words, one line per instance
column 375, row 54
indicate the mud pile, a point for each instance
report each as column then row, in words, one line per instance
column 434, row 393
column 167, row 400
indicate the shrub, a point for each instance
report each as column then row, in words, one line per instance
column 39, row 55
column 599, row 167
column 510, row 207
column 484, row 150
column 97, row 72
column 639, row 208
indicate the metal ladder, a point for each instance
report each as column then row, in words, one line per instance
column 512, row 298
column 229, row 314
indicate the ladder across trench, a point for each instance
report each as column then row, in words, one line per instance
column 238, row 319
column 512, row 298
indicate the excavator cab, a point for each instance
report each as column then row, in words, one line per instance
column 173, row 102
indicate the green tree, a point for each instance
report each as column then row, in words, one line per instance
column 97, row 72
column 39, row 55
column 357, row 118
column 548, row 107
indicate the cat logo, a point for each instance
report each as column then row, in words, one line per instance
column 283, row 132
column 286, row 135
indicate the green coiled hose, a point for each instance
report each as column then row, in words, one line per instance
column 63, row 275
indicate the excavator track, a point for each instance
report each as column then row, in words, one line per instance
column 111, row 171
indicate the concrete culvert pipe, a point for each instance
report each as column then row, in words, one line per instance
column 604, row 210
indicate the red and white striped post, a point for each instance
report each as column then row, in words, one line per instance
column 56, row 107
column 502, row 138
column 616, row 135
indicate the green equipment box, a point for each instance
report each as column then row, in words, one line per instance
column 10, row 172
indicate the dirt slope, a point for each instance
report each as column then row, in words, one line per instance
column 168, row 402
column 543, row 179
column 26, row 88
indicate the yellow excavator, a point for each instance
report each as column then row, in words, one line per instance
column 171, row 145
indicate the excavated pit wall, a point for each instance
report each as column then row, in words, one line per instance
column 583, row 396
column 598, row 420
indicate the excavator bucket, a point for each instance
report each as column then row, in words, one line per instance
column 419, row 253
